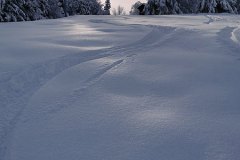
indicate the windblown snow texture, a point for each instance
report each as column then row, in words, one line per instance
column 120, row 88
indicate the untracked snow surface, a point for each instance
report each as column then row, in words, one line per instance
column 121, row 88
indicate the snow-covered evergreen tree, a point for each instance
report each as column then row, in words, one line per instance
column 207, row 6
column 32, row 10
column 227, row 6
column 158, row 7
column 107, row 7
column 84, row 7
column 21, row 10
column 238, row 6
column 2, row 3
column 217, row 6
column 188, row 6
column 192, row 6
column 94, row 7
column 44, row 7
column 134, row 8
column 12, row 10
column 25, row 10
column 55, row 9
column 77, row 7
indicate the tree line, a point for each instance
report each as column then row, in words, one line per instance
column 164, row 7
column 30, row 10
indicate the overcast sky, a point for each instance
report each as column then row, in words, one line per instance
column 125, row 3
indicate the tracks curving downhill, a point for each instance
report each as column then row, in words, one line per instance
column 17, row 88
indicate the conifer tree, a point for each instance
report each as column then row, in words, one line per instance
column 1, row 8
column 158, row 7
column 217, row 6
column 238, row 6
column 12, row 11
column 107, row 7
column 29, row 10
column 188, row 6
column 134, row 8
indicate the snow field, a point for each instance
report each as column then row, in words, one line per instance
column 121, row 88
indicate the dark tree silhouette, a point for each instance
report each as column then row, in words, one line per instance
column 107, row 7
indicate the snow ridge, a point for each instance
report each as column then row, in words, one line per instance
column 236, row 36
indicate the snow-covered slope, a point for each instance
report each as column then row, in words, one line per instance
column 120, row 88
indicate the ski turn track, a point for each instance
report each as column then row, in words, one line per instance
column 236, row 36
column 51, row 97
column 21, row 86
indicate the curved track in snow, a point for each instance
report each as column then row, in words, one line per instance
column 23, row 84
column 172, row 94
column 235, row 35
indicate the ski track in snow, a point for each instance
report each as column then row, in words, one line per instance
column 213, row 19
column 21, row 86
column 229, row 37
column 117, row 55
column 236, row 35
column 61, row 103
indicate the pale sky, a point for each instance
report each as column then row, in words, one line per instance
column 125, row 3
